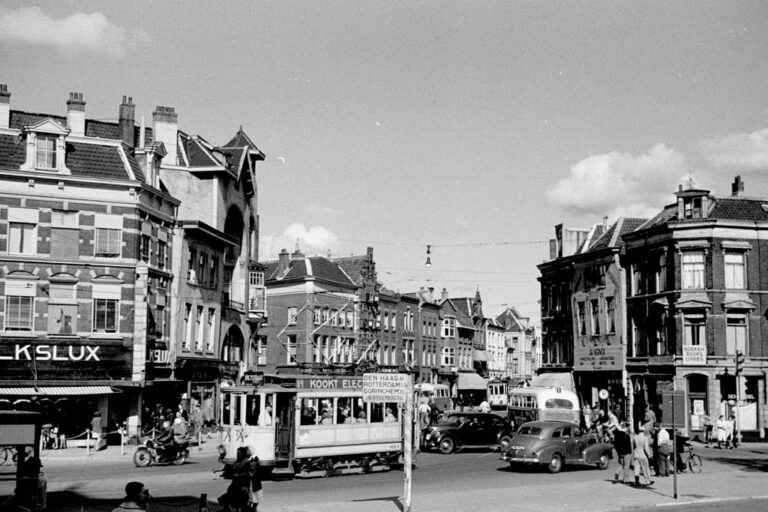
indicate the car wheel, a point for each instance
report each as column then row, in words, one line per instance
column 604, row 461
column 504, row 442
column 555, row 463
column 447, row 445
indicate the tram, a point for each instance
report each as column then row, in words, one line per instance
column 498, row 393
column 310, row 427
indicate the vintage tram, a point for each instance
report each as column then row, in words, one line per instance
column 307, row 427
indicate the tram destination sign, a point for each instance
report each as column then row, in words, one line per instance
column 386, row 387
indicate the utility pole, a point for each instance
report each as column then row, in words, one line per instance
column 739, row 368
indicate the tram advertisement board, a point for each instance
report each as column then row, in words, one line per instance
column 330, row 383
column 386, row 387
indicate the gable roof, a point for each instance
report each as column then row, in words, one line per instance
column 303, row 268
column 354, row 266
column 242, row 140
column 612, row 236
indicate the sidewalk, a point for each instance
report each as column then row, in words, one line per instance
column 54, row 458
column 736, row 474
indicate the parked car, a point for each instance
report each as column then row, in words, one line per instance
column 467, row 430
column 554, row 444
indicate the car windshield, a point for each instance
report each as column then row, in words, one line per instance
column 453, row 419
column 527, row 430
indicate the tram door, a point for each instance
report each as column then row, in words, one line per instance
column 285, row 416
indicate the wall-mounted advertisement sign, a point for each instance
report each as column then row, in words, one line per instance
column 694, row 354
column 598, row 355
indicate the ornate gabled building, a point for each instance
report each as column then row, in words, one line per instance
column 520, row 345
column 86, row 235
column 218, row 293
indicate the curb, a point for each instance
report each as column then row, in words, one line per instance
column 694, row 502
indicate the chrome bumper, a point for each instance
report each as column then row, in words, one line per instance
column 507, row 458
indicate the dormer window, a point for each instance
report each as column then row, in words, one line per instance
column 693, row 208
column 45, row 147
column 45, row 152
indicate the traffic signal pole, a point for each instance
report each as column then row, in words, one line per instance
column 739, row 364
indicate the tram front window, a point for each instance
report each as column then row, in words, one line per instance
column 252, row 409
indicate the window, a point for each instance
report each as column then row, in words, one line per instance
column 334, row 317
column 45, row 152
column 637, row 280
column 199, row 329
column 318, row 316
column 146, row 244
column 736, row 334
column 187, row 327
column 191, row 275
column 694, row 330
column 386, row 321
column 214, row 275
column 261, row 350
column 326, row 316
column 18, row 313
column 735, row 270
column 105, row 315
column 62, row 309
column 448, row 356
column 692, row 208
column 108, row 235
column 595, row 310
column 350, row 319
column 21, row 238
column 292, row 315
column 610, row 315
column 162, row 254
column 211, row 330
column 161, row 321
column 661, row 273
column 65, row 235
column 201, row 268
column 290, row 349
column 581, row 318
column 693, row 270
column 449, row 327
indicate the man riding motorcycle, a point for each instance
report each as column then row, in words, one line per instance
column 166, row 445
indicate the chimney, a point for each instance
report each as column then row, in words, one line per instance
column 5, row 107
column 605, row 224
column 76, row 114
column 283, row 263
column 165, row 122
column 126, row 117
column 737, row 187
column 431, row 291
column 444, row 294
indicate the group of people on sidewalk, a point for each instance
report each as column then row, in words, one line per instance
column 650, row 449
column 725, row 431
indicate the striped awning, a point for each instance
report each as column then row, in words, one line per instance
column 57, row 391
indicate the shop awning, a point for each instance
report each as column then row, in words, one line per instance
column 58, row 391
column 472, row 381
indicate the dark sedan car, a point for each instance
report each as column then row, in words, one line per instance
column 467, row 430
column 555, row 443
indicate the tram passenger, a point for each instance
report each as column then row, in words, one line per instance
column 389, row 417
column 361, row 417
column 265, row 418
column 327, row 418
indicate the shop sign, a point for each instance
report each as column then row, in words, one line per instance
column 694, row 354
column 160, row 356
column 333, row 384
column 28, row 352
column 598, row 356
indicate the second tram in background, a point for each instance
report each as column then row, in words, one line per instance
column 311, row 427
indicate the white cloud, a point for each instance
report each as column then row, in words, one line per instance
column 316, row 240
column 73, row 34
column 617, row 184
column 741, row 152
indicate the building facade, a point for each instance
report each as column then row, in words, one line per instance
column 85, row 235
column 696, row 302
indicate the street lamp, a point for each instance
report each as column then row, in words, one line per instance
column 429, row 261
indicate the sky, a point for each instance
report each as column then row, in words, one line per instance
column 471, row 127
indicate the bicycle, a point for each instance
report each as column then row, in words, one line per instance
column 691, row 460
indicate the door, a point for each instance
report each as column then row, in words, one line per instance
column 284, row 424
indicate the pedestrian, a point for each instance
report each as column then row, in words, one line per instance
column 136, row 498
column 30, row 492
column 239, row 494
column 707, row 429
column 721, row 436
column 641, row 450
column 424, row 410
column 682, row 442
column 257, row 492
column 664, row 449
column 587, row 417
column 623, row 446
column 96, row 431
column 180, row 430
column 649, row 419
column 730, row 426
column 434, row 414
column 653, row 461
column 485, row 406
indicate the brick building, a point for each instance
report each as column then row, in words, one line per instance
column 85, row 248
column 697, row 284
